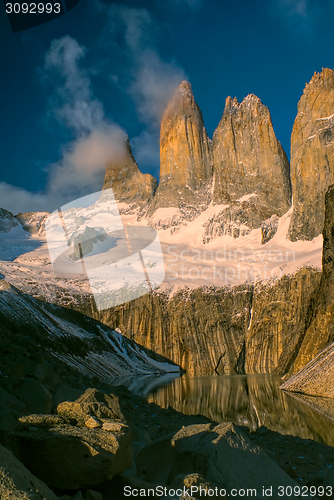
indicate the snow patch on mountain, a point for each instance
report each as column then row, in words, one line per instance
column 189, row 260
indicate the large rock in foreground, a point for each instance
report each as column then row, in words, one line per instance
column 312, row 156
column 84, row 446
column 316, row 378
column 17, row 483
column 221, row 454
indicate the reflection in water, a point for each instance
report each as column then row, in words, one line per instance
column 251, row 400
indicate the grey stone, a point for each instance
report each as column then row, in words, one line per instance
column 17, row 483
column 69, row 457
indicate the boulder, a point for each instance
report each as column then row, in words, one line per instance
column 226, row 457
column 7, row 420
column 17, row 483
column 46, row 375
column 196, row 485
column 64, row 392
column 11, row 402
column 66, row 456
column 92, row 403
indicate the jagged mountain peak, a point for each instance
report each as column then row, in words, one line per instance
column 251, row 170
column 185, row 155
column 312, row 153
column 127, row 182
column 185, row 88
column 182, row 103
column 249, row 99
column 323, row 76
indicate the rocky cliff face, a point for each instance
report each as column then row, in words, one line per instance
column 128, row 183
column 244, row 169
column 251, row 170
column 315, row 378
column 238, row 330
column 185, row 155
column 319, row 332
column 312, row 156
column 33, row 222
column 7, row 221
column 280, row 312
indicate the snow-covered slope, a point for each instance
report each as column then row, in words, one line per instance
column 81, row 342
column 189, row 261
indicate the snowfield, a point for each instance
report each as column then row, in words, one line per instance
column 188, row 261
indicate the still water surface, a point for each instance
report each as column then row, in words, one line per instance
column 251, row 400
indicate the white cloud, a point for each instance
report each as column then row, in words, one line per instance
column 98, row 141
column 153, row 80
column 72, row 101
column 151, row 83
column 154, row 84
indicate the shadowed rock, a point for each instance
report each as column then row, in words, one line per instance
column 69, row 454
column 129, row 185
column 318, row 332
column 17, row 483
column 221, row 454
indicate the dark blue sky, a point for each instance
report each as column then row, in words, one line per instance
column 136, row 51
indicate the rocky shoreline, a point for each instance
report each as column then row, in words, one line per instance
column 92, row 443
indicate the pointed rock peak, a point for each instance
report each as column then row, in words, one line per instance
column 182, row 100
column 128, row 183
column 325, row 75
column 322, row 81
column 184, row 91
column 231, row 103
column 312, row 156
column 248, row 160
column 185, row 154
column 251, row 100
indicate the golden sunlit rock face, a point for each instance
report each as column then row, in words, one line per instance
column 312, row 156
column 244, row 168
column 185, row 153
column 248, row 158
column 244, row 329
